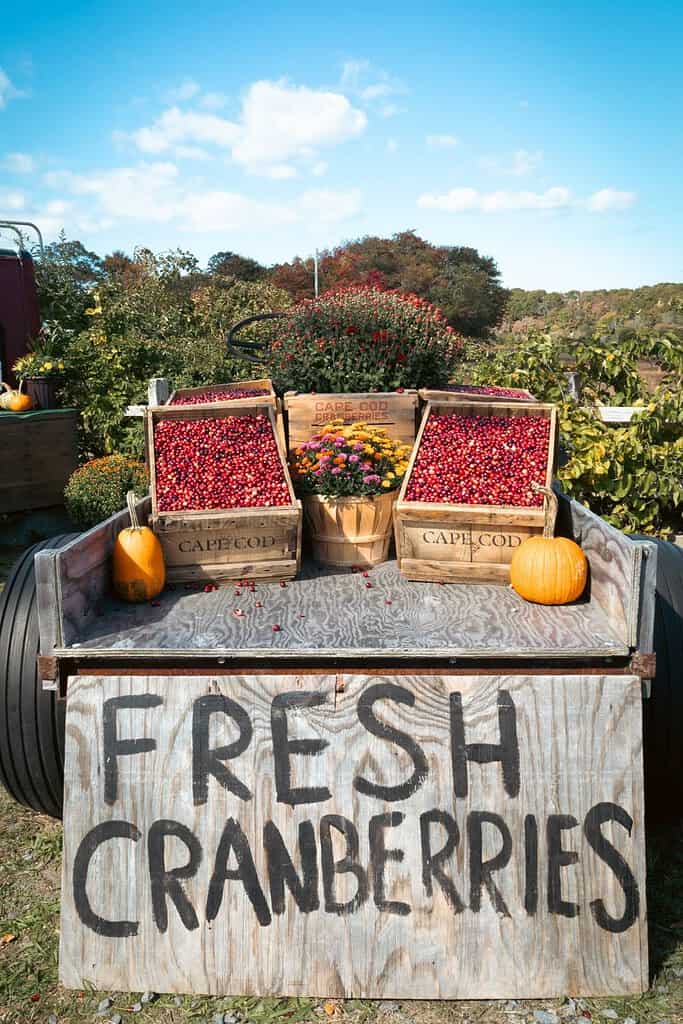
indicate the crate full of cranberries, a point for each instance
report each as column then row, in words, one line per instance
column 223, row 505
column 467, row 501
column 469, row 393
column 242, row 391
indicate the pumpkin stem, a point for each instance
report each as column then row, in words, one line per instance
column 131, row 501
column 551, row 505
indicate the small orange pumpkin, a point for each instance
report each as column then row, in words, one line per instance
column 548, row 569
column 138, row 569
column 17, row 400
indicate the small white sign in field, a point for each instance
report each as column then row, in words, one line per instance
column 404, row 835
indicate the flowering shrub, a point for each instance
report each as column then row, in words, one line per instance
column 46, row 356
column 363, row 339
column 354, row 460
column 97, row 489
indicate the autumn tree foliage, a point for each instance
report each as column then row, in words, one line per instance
column 463, row 283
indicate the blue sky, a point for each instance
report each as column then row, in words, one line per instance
column 546, row 136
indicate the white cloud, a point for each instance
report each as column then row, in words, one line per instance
column 230, row 211
column 328, row 207
column 154, row 192
column 465, row 200
column 213, row 100
column 148, row 192
column 190, row 153
column 19, row 163
column 610, row 199
column 177, row 127
column 282, row 122
column 8, row 90
column 442, row 141
column 319, row 168
column 12, row 201
column 278, row 123
column 279, row 172
column 187, row 90
column 392, row 145
column 523, row 162
column 369, row 84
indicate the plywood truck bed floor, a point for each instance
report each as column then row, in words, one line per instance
column 330, row 614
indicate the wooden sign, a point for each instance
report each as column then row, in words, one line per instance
column 412, row 836
column 392, row 411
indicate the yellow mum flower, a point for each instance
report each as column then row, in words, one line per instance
column 386, row 484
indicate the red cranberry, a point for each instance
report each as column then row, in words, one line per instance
column 222, row 463
column 481, row 460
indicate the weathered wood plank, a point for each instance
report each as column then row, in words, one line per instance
column 557, row 815
column 37, row 456
column 615, row 568
column 158, row 391
column 390, row 411
column 83, row 572
column 47, row 601
column 328, row 613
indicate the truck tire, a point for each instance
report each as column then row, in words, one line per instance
column 31, row 719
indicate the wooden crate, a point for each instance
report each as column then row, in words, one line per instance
column 226, row 544
column 261, row 383
column 393, row 411
column 467, row 543
column 38, row 454
column 458, row 397
column 231, row 403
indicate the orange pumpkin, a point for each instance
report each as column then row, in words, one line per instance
column 17, row 400
column 138, row 569
column 548, row 569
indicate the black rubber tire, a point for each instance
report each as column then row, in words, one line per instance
column 31, row 719
column 663, row 712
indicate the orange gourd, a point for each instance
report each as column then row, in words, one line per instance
column 548, row 569
column 138, row 569
column 15, row 400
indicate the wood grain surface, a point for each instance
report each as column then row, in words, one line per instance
column 551, row 919
column 331, row 613
column 38, row 454
column 615, row 569
column 83, row 572
column 389, row 411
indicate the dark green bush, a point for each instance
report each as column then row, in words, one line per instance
column 98, row 489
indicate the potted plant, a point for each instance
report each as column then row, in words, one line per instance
column 348, row 478
column 42, row 369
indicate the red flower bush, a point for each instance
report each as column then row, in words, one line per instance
column 364, row 339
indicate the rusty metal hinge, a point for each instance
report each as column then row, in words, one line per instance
column 644, row 664
column 48, row 671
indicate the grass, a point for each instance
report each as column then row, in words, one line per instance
column 30, row 860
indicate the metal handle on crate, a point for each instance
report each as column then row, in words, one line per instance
column 246, row 349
